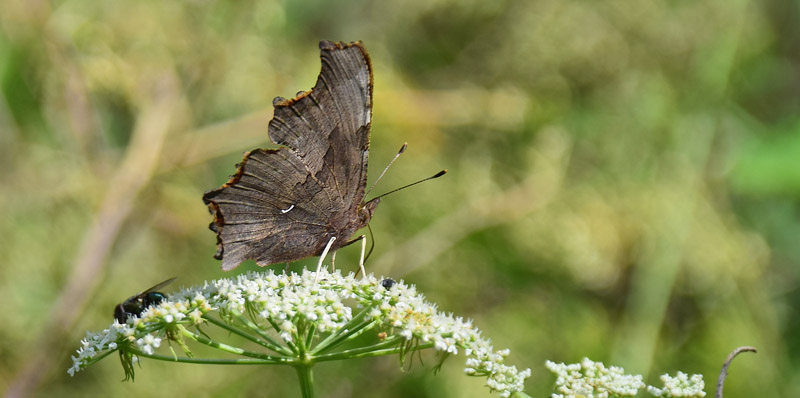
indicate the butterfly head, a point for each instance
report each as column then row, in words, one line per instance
column 365, row 211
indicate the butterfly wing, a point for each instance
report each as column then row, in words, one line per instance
column 328, row 126
column 269, row 211
column 283, row 205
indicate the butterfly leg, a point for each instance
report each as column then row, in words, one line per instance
column 361, row 261
column 333, row 261
column 363, row 240
column 322, row 257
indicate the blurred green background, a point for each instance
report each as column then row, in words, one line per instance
column 624, row 178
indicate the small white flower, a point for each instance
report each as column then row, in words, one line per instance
column 148, row 343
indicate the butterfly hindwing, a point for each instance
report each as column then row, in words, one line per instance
column 263, row 207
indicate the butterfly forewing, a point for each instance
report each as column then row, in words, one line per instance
column 328, row 127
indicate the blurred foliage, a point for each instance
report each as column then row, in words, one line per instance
column 625, row 177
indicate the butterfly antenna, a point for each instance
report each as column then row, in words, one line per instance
column 437, row 175
column 400, row 152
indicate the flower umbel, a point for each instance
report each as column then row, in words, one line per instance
column 682, row 385
column 593, row 379
column 297, row 321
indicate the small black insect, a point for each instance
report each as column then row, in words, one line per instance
column 135, row 305
column 388, row 283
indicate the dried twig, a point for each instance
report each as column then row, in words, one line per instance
column 724, row 372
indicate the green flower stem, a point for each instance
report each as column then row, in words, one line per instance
column 278, row 330
column 306, row 380
column 234, row 350
column 267, row 341
column 347, row 326
column 345, row 335
column 152, row 328
column 264, row 335
column 304, row 361
column 99, row 357
column 357, row 331
column 373, row 350
column 310, row 336
column 302, row 336
column 208, row 361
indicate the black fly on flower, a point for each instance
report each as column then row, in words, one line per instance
column 135, row 305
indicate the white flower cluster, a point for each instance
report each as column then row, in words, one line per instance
column 682, row 385
column 290, row 302
column 500, row 377
column 403, row 309
column 285, row 299
column 95, row 344
column 593, row 379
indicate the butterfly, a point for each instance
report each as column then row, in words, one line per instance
column 306, row 197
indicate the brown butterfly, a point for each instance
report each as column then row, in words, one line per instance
column 306, row 198
column 286, row 204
